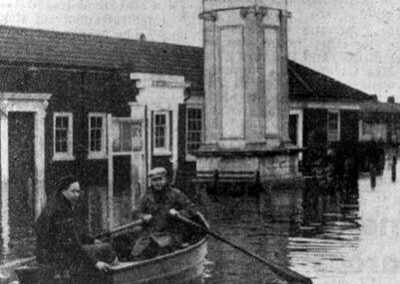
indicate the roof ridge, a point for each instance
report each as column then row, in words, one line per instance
column 327, row 77
column 105, row 37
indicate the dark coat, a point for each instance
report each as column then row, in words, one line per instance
column 58, row 241
column 163, row 234
column 159, row 204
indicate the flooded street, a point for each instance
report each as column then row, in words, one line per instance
column 241, row 223
column 357, row 244
column 363, row 250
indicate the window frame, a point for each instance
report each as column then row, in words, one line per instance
column 337, row 112
column 166, row 150
column 68, row 155
column 189, row 156
column 102, row 154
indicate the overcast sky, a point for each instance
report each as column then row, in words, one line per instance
column 354, row 41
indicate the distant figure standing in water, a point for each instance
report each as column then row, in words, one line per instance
column 61, row 253
column 162, row 234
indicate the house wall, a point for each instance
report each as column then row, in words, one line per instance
column 384, row 127
column 314, row 133
column 315, row 139
column 79, row 91
column 349, row 125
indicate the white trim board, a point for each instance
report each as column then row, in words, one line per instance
column 325, row 105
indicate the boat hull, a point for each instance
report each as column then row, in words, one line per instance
column 182, row 266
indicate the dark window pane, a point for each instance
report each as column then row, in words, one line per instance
column 194, row 128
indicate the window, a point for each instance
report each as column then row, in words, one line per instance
column 333, row 126
column 374, row 131
column 97, row 135
column 194, row 131
column 62, row 132
column 366, row 129
column 161, row 133
column 127, row 135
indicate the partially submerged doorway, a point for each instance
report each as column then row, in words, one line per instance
column 21, row 196
column 22, row 156
column 126, row 167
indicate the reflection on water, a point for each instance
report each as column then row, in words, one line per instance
column 241, row 223
column 326, row 256
column 356, row 251
column 353, row 243
column 350, row 243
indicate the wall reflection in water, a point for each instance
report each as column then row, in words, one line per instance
column 337, row 239
column 343, row 237
column 355, row 246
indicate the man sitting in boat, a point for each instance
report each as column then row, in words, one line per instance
column 161, row 233
column 60, row 253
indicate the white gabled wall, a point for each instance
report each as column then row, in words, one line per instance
column 159, row 92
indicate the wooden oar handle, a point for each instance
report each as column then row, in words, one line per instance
column 183, row 219
column 108, row 234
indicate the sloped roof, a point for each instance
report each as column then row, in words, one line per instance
column 92, row 51
column 81, row 50
column 306, row 84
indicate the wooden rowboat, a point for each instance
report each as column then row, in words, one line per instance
column 182, row 266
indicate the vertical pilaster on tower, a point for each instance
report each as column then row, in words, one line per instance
column 246, row 85
column 245, row 74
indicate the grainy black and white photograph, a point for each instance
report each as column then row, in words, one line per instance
column 199, row 141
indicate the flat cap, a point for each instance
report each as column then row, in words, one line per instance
column 158, row 171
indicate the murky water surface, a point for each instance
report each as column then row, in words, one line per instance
column 358, row 243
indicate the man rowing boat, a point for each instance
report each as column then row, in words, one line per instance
column 162, row 234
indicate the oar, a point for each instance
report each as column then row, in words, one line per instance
column 284, row 272
column 107, row 234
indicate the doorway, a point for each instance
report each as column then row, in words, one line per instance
column 21, row 159
column 296, row 128
column 126, row 167
column 293, row 125
column 22, row 156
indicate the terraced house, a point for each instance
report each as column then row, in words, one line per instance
column 108, row 109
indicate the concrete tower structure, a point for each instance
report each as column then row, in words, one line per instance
column 246, row 89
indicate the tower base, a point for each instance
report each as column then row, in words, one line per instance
column 276, row 163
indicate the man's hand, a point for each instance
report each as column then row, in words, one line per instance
column 147, row 218
column 102, row 266
column 173, row 212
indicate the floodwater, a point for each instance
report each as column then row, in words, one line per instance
column 357, row 243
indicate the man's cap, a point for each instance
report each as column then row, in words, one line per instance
column 158, row 171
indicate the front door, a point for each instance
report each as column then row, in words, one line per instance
column 21, row 174
column 127, row 167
